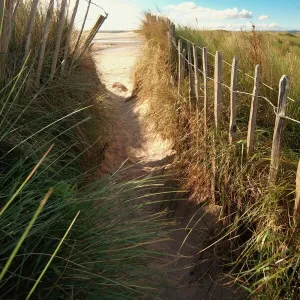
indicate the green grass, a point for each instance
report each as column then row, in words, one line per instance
column 65, row 233
column 263, row 242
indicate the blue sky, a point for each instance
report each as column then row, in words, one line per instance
column 229, row 14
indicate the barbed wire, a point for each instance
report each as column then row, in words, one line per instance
column 229, row 88
column 97, row 5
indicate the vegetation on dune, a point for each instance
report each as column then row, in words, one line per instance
column 277, row 54
column 54, row 208
column 256, row 225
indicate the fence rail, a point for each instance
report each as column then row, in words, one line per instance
column 280, row 110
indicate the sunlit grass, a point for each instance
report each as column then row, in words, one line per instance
column 53, row 137
column 257, row 230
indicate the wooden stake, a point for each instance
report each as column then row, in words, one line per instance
column 233, row 96
column 253, row 113
column 29, row 27
column 278, row 130
column 80, row 34
column 61, row 25
column 218, row 89
column 196, row 72
column 44, row 41
column 190, row 68
column 6, row 13
column 205, row 82
column 180, row 66
column 92, row 34
column 69, row 35
column 297, row 200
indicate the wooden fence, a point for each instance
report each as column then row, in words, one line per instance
column 190, row 63
column 60, row 58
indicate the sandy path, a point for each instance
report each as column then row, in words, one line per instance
column 136, row 141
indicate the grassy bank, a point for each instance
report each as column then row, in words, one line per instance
column 65, row 232
column 259, row 235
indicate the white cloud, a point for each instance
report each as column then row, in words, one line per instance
column 263, row 17
column 243, row 26
column 190, row 11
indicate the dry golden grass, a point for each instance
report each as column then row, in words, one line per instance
column 258, row 216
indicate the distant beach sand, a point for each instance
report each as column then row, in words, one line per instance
column 116, row 39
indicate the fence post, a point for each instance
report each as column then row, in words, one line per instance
column 253, row 113
column 61, row 24
column 205, row 73
column 297, row 200
column 80, row 34
column 180, row 66
column 6, row 14
column 233, row 96
column 278, row 130
column 218, row 89
column 190, row 68
column 30, row 24
column 92, row 34
column 196, row 72
column 69, row 34
column 44, row 41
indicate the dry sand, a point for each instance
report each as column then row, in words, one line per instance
column 136, row 141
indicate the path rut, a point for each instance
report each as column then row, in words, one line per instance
column 146, row 152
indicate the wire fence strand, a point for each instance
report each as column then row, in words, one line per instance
column 228, row 87
column 230, row 65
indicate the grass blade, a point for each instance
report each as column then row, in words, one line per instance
column 25, row 181
column 25, row 233
column 52, row 257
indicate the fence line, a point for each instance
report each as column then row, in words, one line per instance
column 230, row 65
column 279, row 111
column 239, row 92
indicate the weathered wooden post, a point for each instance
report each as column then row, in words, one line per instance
column 190, row 68
column 180, row 66
column 44, row 41
column 79, row 36
column 30, row 24
column 217, row 114
column 218, row 89
column 69, row 35
column 297, row 200
column 196, row 73
column 92, row 34
column 6, row 21
column 61, row 24
column 278, row 130
column 233, row 96
column 205, row 84
column 253, row 113
column 2, row 9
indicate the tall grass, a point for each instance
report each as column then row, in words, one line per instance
column 66, row 234
column 260, row 236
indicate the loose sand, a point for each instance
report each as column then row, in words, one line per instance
column 137, row 143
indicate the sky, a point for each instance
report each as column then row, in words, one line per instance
column 209, row 14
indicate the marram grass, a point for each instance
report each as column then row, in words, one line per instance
column 256, row 226
column 45, row 253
